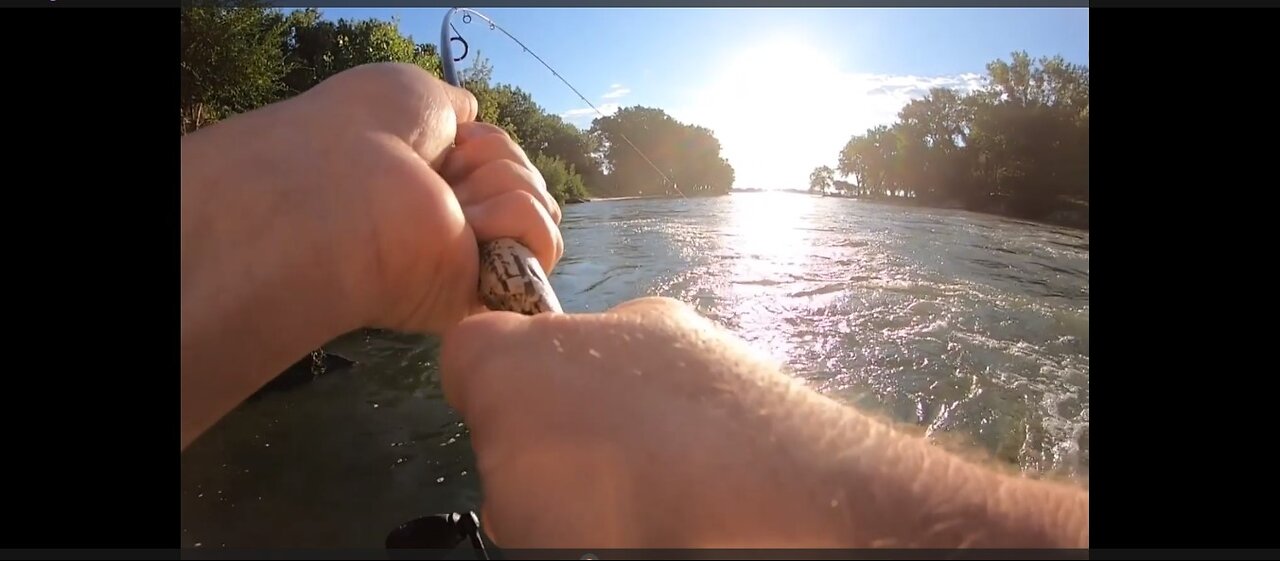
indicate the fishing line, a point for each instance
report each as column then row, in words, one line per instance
column 511, row 279
column 450, row 73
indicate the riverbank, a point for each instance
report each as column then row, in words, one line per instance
column 602, row 199
column 1066, row 213
column 636, row 197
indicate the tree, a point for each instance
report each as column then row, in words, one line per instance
column 854, row 161
column 318, row 49
column 576, row 148
column 237, row 56
column 686, row 157
column 1020, row 144
column 820, row 179
column 235, row 60
column 563, row 182
column 230, row 61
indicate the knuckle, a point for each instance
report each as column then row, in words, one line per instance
column 494, row 131
column 503, row 170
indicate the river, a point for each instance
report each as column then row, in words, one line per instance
column 971, row 327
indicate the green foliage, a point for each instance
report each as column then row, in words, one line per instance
column 563, row 182
column 537, row 131
column 318, row 49
column 688, row 155
column 1018, row 145
column 820, row 180
column 235, row 59
column 231, row 61
column 237, row 56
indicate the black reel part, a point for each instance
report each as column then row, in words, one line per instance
column 440, row 532
column 466, row 49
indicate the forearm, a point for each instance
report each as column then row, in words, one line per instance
column 778, row 465
column 256, row 292
column 868, row 485
column 649, row 426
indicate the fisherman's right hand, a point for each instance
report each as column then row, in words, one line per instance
column 359, row 203
column 380, row 181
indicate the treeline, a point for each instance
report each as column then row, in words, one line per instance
column 1017, row 146
column 237, row 58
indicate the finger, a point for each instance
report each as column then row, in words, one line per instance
column 472, row 153
column 468, row 131
column 464, row 103
column 498, row 177
column 518, row 215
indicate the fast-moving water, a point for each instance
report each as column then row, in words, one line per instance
column 973, row 327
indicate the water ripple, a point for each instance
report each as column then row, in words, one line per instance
column 973, row 328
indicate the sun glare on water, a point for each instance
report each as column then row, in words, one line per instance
column 768, row 232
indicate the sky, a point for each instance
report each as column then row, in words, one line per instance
column 782, row 88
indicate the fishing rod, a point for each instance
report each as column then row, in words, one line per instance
column 451, row 74
column 511, row 278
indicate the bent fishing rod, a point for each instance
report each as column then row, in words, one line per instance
column 511, row 278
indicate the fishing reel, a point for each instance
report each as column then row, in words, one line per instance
column 441, row 532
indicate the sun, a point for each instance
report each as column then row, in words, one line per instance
column 765, row 105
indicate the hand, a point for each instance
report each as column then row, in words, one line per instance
column 417, row 255
column 346, row 206
column 649, row 427
column 632, row 428
column 361, row 175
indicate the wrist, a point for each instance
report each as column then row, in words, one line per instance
column 259, row 288
column 255, row 223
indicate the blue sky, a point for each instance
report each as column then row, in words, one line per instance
column 783, row 88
